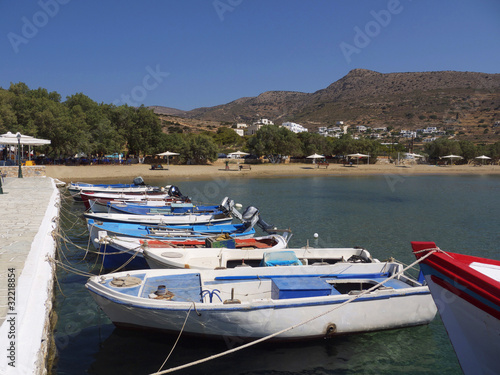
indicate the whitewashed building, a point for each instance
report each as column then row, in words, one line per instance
column 292, row 126
column 240, row 132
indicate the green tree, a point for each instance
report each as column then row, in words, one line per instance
column 442, row 147
column 274, row 142
column 227, row 137
column 313, row 143
column 468, row 150
column 200, row 149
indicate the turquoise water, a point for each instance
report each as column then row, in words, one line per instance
column 382, row 214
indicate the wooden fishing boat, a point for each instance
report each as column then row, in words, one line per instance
column 117, row 251
column 138, row 185
column 466, row 290
column 88, row 197
column 161, row 232
column 162, row 219
column 246, row 254
column 291, row 303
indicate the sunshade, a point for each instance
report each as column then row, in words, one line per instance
column 239, row 153
column 168, row 154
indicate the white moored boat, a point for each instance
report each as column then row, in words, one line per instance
column 117, row 251
column 211, row 258
column 248, row 303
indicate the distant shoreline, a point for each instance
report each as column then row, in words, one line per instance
column 112, row 172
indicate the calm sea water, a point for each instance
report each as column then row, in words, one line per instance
column 382, row 214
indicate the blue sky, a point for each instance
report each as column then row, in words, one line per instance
column 187, row 54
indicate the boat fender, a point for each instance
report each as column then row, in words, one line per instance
column 232, row 301
column 331, row 329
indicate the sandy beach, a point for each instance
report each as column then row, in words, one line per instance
column 128, row 172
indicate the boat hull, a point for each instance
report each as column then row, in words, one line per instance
column 174, row 219
column 173, row 233
column 469, row 304
column 254, row 309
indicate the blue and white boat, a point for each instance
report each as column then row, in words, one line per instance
column 179, row 232
column 289, row 302
column 162, row 219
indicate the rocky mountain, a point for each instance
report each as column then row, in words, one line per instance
column 365, row 97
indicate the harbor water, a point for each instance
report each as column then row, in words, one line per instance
column 380, row 213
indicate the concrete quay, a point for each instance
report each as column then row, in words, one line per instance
column 30, row 209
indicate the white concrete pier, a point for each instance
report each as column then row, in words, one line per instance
column 29, row 209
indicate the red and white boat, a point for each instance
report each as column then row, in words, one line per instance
column 466, row 290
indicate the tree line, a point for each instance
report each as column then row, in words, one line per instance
column 79, row 125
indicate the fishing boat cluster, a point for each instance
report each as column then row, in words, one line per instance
column 175, row 265
column 179, row 267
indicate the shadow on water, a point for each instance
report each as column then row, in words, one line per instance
column 122, row 351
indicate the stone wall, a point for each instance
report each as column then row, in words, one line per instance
column 35, row 171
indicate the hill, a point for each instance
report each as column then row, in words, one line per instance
column 467, row 102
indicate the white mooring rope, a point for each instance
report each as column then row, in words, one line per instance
column 431, row 251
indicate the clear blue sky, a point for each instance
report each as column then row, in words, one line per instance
column 195, row 53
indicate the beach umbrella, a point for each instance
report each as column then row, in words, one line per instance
column 358, row 156
column 314, row 157
column 168, row 154
column 239, row 153
column 483, row 158
column 451, row 157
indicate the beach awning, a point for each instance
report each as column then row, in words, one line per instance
column 239, row 153
column 484, row 157
column 358, row 155
column 412, row 155
column 315, row 156
column 452, row 157
column 11, row 139
column 168, row 153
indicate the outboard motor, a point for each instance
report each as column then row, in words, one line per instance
column 176, row 193
column 251, row 216
column 139, row 181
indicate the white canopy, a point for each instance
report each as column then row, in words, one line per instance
column 482, row 157
column 168, row 154
column 239, row 153
column 315, row 156
column 11, row 139
column 358, row 155
column 412, row 155
column 452, row 157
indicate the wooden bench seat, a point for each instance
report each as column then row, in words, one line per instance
column 244, row 166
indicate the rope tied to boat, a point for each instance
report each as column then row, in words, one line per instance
column 244, row 346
